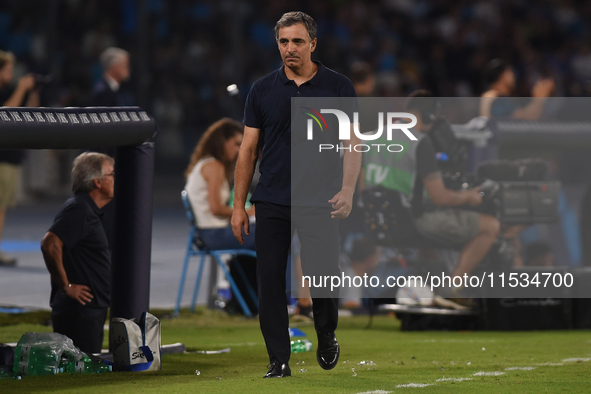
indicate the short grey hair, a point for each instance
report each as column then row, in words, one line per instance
column 293, row 18
column 111, row 56
column 88, row 166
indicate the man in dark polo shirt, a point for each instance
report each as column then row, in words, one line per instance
column 267, row 120
column 76, row 253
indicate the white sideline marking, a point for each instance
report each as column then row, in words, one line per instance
column 482, row 373
column 576, row 360
column 239, row 344
column 376, row 392
column 453, row 379
column 520, row 368
column 414, row 385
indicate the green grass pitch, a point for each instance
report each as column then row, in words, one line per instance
column 406, row 362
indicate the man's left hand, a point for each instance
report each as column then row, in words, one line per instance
column 342, row 203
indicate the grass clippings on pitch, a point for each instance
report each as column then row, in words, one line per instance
column 423, row 362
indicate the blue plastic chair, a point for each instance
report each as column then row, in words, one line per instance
column 195, row 247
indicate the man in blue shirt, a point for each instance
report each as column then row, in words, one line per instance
column 267, row 120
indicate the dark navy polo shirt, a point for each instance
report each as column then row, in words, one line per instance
column 268, row 108
column 86, row 256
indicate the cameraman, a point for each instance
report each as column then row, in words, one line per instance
column 10, row 160
column 437, row 217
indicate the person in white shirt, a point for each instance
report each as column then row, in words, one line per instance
column 208, row 175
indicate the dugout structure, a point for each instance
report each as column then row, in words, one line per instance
column 129, row 129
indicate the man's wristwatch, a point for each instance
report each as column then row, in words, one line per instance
column 67, row 288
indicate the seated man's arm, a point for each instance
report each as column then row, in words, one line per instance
column 428, row 171
column 443, row 197
column 52, row 249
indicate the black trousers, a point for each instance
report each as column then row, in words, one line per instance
column 84, row 325
column 319, row 236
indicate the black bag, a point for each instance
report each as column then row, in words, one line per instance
column 387, row 220
column 6, row 354
column 514, row 170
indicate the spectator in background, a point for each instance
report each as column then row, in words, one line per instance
column 76, row 254
column 363, row 78
column 115, row 63
column 11, row 160
column 500, row 79
column 364, row 82
column 208, row 185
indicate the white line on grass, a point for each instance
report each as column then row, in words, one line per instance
column 494, row 373
column 376, row 392
column 576, row 359
column 414, row 385
column 520, row 368
column 238, row 344
column 453, row 379
column 550, row 364
column 481, row 373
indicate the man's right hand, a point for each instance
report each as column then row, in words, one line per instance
column 474, row 197
column 239, row 221
column 80, row 293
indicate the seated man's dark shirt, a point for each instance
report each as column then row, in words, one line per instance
column 86, row 256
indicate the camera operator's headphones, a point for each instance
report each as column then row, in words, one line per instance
column 425, row 104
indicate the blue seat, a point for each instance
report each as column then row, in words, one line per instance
column 195, row 247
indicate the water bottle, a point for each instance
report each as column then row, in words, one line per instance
column 42, row 360
column 21, row 360
column 68, row 364
column 301, row 345
column 17, row 359
column 41, row 370
column 86, row 365
column 96, row 367
column 44, row 355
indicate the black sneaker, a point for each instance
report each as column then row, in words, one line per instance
column 328, row 350
column 278, row 370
